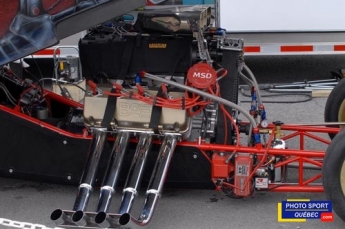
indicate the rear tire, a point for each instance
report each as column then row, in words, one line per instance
column 335, row 105
column 333, row 174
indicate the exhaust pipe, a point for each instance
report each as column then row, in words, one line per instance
column 155, row 186
column 135, row 173
column 79, row 218
column 158, row 177
column 132, row 184
column 87, row 180
column 124, row 219
column 62, row 217
column 109, row 183
column 88, row 177
column 110, row 180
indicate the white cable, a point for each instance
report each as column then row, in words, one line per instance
column 256, row 85
column 245, row 79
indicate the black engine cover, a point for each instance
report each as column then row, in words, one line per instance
column 116, row 57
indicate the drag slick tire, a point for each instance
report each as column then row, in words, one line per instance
column 333, row 173
column 335, row 105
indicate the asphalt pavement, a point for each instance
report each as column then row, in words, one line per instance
column 32, row 202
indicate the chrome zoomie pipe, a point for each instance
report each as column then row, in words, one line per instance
column 109, row 183
column 155, row 186
column 133, row 181
column 79, row 218
column 87, row 180
column 88, row 177
column 113, row 170
column 135, row 173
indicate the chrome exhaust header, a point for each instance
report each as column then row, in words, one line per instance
column 60, row 217
column 79, row 218
column 154, row 191
column 158, row 177
column 156, row 184
column 130, row 191
column 88, row 177
column 136, row 172
column 113, row 170
column 107, row 191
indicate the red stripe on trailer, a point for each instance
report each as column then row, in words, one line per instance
column 252, row 49
column 339, row 47
column 47, row 52
column 297, row 48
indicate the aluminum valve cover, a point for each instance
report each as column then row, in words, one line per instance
column 132, row 114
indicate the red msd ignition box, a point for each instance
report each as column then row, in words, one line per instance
column 243, row 168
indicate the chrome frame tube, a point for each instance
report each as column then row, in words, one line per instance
column 135, row 174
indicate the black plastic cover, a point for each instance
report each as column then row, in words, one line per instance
column 115, row 57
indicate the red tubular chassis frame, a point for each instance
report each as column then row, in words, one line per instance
column 301, row 155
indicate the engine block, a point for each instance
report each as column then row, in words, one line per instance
column 134, row 115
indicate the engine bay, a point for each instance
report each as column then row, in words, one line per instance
column 165, row 85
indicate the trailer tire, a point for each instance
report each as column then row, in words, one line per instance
column 335, row 105
column 333, row 174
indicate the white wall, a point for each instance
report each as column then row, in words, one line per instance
column 282, row 15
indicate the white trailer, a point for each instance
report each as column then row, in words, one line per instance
column 285, row 27
column 275, row 27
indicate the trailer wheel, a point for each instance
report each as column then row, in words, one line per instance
column 333, row 173
column 335, row 105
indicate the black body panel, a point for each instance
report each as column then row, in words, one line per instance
column 33, row 152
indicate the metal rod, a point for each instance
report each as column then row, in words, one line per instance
column 309, row 188
column 245, row 149
column 316, row 81
column 319, row 124
column 111, row 177
column 290, row 90
column 135, row 174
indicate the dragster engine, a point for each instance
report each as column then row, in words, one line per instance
column 148, row 101
column 142, row 79
column 166, row 80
